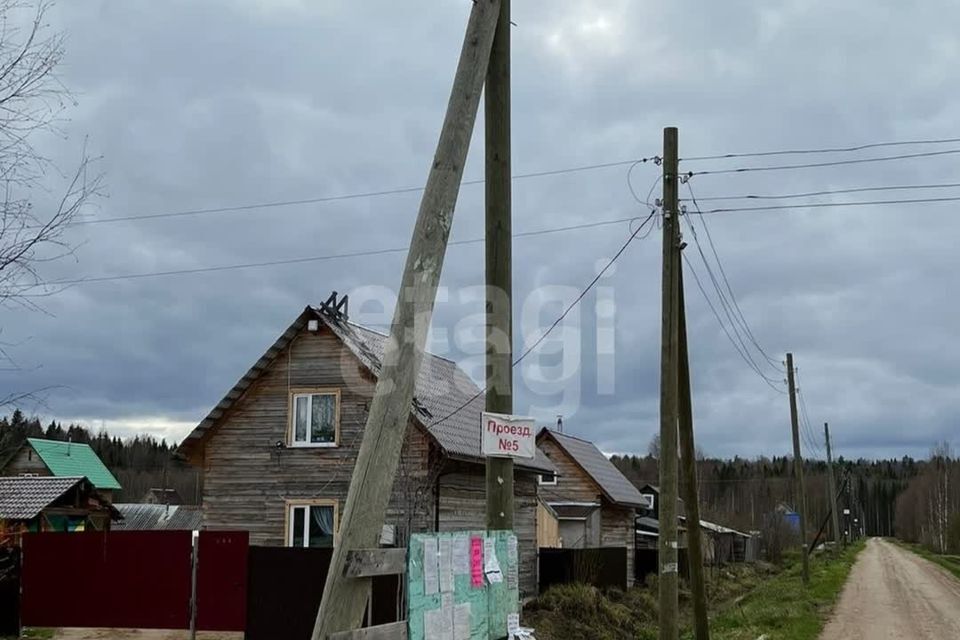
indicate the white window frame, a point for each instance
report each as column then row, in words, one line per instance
column 293, row 505
column 292, row 427
column 548, row 483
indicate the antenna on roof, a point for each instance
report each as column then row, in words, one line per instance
column 560, row 423
column 69, row 441
column 337, row 309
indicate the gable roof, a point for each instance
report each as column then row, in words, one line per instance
column 442, row 388
column 615, row 486
column 73, row 459
column 24, row 497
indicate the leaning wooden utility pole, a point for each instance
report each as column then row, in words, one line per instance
column 691, row 492
column 832, row 488
column 798, row 470
column 667, row 547
column 499, row 289
column 345, row 598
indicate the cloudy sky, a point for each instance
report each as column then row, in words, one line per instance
column 196, row 105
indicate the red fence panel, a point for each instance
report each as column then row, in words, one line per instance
column 222, row 580
column 120, row 579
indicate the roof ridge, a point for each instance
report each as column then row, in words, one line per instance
column 381, row 334
column 573, row 437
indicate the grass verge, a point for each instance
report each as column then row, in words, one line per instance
column 746, row 601
column 782, row 607
column 948, row 562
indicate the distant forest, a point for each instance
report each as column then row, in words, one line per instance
column 742, row 493
column 139, row 463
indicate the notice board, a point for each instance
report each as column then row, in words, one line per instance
column 463, row 585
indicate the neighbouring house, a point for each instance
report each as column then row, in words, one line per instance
column 594, row 502
column 548, row 527
column 278, row 451
column 47, row 503
column 161, row 496
column 723, row 545
column 39, row 457
column 151, row 517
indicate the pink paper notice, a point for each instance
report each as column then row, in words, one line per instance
column 476, row 562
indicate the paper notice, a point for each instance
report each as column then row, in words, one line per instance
column 433, row 624
column 491, row 566
column 513, row 625
column 512, row 563
column 461, row 621
column 446, row 565
column 476, row 562
column 446, row 615
column 431, row 583
column 461, row 556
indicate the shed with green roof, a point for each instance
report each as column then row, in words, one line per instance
column 61, row 459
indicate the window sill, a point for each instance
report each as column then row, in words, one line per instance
column 312, row 445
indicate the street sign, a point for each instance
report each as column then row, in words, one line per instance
column 506, row 436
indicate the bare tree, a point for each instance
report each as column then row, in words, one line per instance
column 32, row 99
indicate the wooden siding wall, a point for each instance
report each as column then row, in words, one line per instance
column 573, row 484
column 248, row 479
column 617, row 530
column 26, row 461
column 463, row 506
column 548, row 528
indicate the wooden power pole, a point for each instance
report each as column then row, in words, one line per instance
column 798, row 470
column 345, row 598
column 832, row 488
column 691, row 492
column 499, row 255
column 667, row 546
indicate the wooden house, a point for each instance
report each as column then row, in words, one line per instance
column 594, row 503
column 278, row 451
column 46, row 503
column 39, row 457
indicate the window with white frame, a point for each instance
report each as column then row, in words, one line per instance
column 548, row 478
column 311, row 525
column 314, row 420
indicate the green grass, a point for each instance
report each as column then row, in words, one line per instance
column 746, row 601
column 33, row 634
column 782, row 608
column 948, row 562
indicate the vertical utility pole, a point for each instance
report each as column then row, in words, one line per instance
column 798, row 470
column 691, row 493
column 832, row 488
column 668, row 388
column 499, row 256
column 345, row 598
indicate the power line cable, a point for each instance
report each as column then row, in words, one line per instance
column 833, row 163
column 723, row 326
column 862, row 147
column 347, row 196
column 321, row 258
column 556, row 322
column 830, row 192
column 774, row 364
column 824, row 205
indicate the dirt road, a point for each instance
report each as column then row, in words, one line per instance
column 892, row 593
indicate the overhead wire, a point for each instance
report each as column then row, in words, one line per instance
column 346, row 196
column 723, row 326
column 832, row 163
column 633, row 235
column 831, row 205
column 783, row 152
column 320, row 258
column 830, row 192
column 774, row 364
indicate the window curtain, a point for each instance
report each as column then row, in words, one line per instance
column 323, row 424
column 321, row 526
